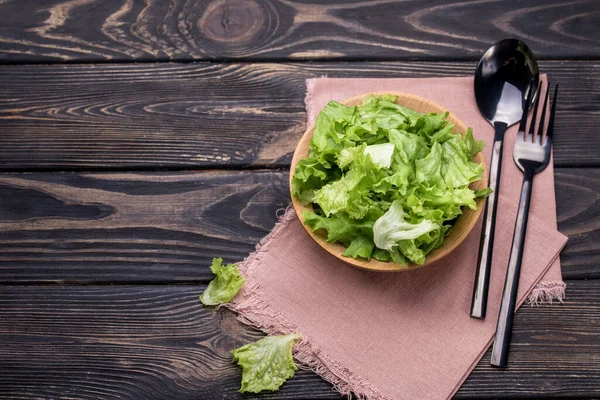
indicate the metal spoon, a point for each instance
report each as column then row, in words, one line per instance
column 502, row 79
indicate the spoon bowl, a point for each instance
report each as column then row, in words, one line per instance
column 502, row 80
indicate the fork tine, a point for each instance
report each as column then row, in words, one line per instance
column 535, row 110
column 538, row 138
column 550, row 130
column 523, row 124
column 543, row 117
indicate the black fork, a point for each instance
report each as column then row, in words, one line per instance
column 532, row 155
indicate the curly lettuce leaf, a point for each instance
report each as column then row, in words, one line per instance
column 267, row 363
column 345, row 195
column 225, row 286
column 310, row 175
column 361, row 246
column 381, row 154
column 386, row 113
column 409, row 147
column 485, row 192
column 471, row 145
column 329, row 136
column 350, row 193
column 428, row 169
column 395, row 184
column 457, row 168
column 392, row 228
column 427, row 125
column 341, row 227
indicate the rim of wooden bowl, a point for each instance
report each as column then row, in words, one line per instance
column 463, row 225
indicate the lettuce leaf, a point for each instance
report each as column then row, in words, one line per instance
column 457, row 168
column 385, row 181
column 350, row 193
column 267, row 363
column 392, row 228
column 330, row 136
column 471, row 145
column 225, row 286
column 355, row 235
column 485, row 192
column 428, row 169
column 381, row 154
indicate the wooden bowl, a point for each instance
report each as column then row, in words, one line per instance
column 463, row 224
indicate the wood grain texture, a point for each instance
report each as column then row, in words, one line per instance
column 120, row 30
column 132, row 227
column 133, row 342
column 166, row 227
column 151, row 342
column 204, row 115
column 578, row 212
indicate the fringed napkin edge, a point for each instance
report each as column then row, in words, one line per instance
column 255, row 311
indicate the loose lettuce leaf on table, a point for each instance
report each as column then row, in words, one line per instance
column 225, row 286
column 267, row 363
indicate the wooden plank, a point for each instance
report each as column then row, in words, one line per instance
column 547, row 342
column 117, row 30
column 185, row 116
column 166, row 227
column 127, row 342
column 140, row 342
column 146, row 227
column 578, row 208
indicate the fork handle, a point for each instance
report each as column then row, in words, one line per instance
column 511, row 285
column 486, row 244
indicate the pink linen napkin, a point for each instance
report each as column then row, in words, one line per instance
column 401, row 335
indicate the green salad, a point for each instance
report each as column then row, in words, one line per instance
column 386, row 181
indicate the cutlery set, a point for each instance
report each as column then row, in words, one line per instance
column 504, row 75
column 506, row 87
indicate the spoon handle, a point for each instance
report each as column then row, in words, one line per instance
column 486, row 245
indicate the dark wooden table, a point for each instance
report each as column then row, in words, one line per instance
column 140, row 139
